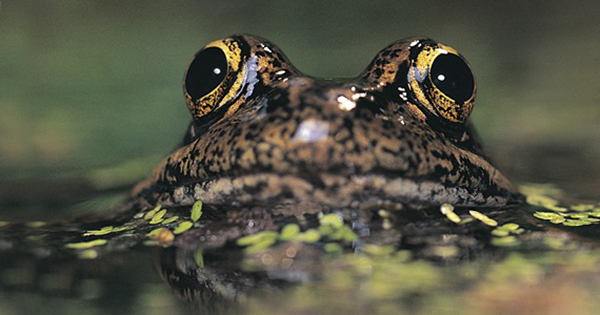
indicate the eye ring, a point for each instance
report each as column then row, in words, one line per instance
column 214, row 76
column 443, row 82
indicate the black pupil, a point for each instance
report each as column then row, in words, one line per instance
column 452, row 75
column 206, row 72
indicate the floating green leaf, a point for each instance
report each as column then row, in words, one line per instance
column 377, row 250
column 331, row 219
column 35, row 224
column 106, row 230
column 155, row 232
column 196, row 211
column 199, row 258
column 84, row 245
column 256, row 238
column 483, row 218
column 334, row 248
column 183, row 226
column 506, row 241
column 582, row 207
column 151, row 213
column 158, row 217
column 170, row 220
column 310, row 236
column 289, row 232
column 88, row 254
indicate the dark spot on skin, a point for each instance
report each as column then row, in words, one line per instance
column 276, row 63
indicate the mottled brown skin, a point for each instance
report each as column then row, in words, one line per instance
column 270, row 135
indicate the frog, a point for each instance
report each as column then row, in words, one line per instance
column 269, row 146
column 263, row 133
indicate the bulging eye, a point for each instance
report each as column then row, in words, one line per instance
column 213, row 78
column 453, row 77
column 441, row 82
column 206, row 72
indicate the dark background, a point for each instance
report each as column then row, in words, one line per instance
column 92, row 89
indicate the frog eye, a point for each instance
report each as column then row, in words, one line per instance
column 442, row 82
column 206, row 72
column 213, row 78
column 453, row 77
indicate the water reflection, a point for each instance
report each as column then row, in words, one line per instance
column 347, row 261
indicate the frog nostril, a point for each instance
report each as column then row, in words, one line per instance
column 281, row 75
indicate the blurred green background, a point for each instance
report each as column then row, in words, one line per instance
column 90, row 85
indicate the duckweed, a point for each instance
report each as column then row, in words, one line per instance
column 377, row 250
column 543, row 197
column 35, row 224
column 333, row 248
column 581, row 215
column 557, row 220
column 448, row 210
column 289, row 232
column 344, row 233
column 331, row 227
column 106, row 230
column 500, row 232
column 465, row 220
column 86, row 245
column 257, row 237
column 171, row 219
column 151, row 213
column 510, row 227
column 506, row 241
column 446, row 251
column 158, row 217
column 581, row 222
column 549, row 216
column 155, row 232
column 183, row 226
column 88, row 254
column 554, row 242
column 309, row 236
column 572, row 219
column 150, row 243
column 258, row 241
column 582, row 207
column 541, row 200
column 453, row 217
column 483, row 218
column 199, row 258
column 331, row 219
column 507, row 229
column 196, row 211
column 541, row 189
column 384, row 213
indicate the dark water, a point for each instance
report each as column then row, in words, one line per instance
column 524, row 260
column 90, row 94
